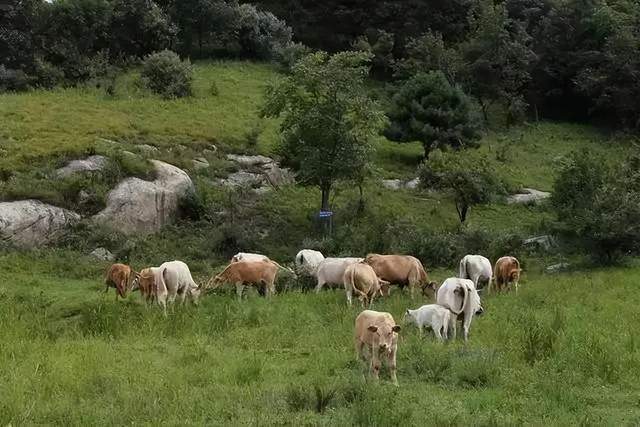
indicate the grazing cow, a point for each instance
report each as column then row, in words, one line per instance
column 331, row 271
column 477, row 269
column 122, row 278
column 378, row 332
column 163, row 284
column 261, row 274
column 246, row 256
column 507, row 271
column 434, row 315
column 307, row 261
column 461, row 297
column 359, row 278
column 399, row 269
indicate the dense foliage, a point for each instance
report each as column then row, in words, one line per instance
column 427, row 108
column 165, row 74
column 328, row 118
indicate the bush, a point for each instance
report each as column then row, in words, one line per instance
column 261, row 34
column 165, row 74
column 288, row 55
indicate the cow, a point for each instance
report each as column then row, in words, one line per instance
column 477, row 269
column 402, row 270
column 434, row 315
column 359, row 278
column 331, row 271
column 247, row 256
column 121, row 277
column 461, row 297
column 378, row 332
column 261, row 274
column 163, row 284
column 307, row 261
column 507, row 271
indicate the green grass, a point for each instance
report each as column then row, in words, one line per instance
column 565, row 351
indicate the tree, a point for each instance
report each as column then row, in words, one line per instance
column 598, row 206
column 328, row 120
column 498, row 60
column 468, row 179
column 429, row 53
column 427, row 108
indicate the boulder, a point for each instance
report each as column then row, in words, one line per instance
column 392, row 184
column 103, row 254
column 556, row 268
column 528, row 196
column 90, row 164
column 248, row 161
column 143, row 207
column 244, row 179
column 278, row 176
column 31, row 223
column 413, row 184
column 545, row 242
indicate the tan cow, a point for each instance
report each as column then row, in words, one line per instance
column 261, row 274
column 402, row 270
column 122, row 278
column 507, row 272
column 378, row 332
column 359, row 278
column 147, row 284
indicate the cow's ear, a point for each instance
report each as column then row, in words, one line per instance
column 408, row 311
column 372, row 328
column 396, row 328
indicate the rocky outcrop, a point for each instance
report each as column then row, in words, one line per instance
column 138, row 206
column 102, row 254
column 90, row 164
column 397, row 184
column 262, row 171
column 31, row 223
column 528, row 196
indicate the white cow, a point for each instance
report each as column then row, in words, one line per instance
column 246, row 256
column 331, row 271
column 477, row 269
column 461, row 297
column 307, row 261
column 433, row 315
column 174, row 279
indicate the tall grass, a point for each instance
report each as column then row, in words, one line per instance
column 562, row 352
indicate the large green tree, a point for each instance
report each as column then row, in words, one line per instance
column 328, row 119
column 427, row 108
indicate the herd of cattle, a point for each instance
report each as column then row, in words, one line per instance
column 365, row 278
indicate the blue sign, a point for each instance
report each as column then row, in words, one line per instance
column 325, row 214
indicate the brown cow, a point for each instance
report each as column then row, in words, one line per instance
column 400, row 269
column 122, row 278
column 506, row 272
column 359, row 278
column 261, row 274
column 147, row 284
column 378, row 332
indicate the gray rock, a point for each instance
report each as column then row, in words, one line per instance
column 200, row 163
column 245, row 179
column 103, row 254
column 555, row 268
column 392, row 184
column 545, row 242
column 138, row 206
column 261, row 190
column 90, row 164
column 31, row 223
column 278, row 176
column 413, row 184
column 83, row 196
column 209, row 153
column 248, row 161
column 528, row 196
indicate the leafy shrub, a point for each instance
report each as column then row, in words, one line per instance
column 165, row 74
column 288, row 55
column 261, row 34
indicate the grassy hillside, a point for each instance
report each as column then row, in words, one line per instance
column 563, row 352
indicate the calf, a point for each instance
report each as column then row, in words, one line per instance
column 122, row 278
column 507, row 272
column 434, row 315
column 359, row 278
column 378, row 332
column 261, row 274
column 147, row 283
column 400, row 269
column 247, row 256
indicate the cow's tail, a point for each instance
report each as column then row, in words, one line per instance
column 462, row 273
column 284, row 268
column 465, row 297
column 352, row 282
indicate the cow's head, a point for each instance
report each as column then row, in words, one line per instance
column 135, row 283
column 409, row 316
column 146, row 281
column 384, row 337
column 429, row 289
column 385, row 288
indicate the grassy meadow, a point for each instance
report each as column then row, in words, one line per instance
column 564, row 351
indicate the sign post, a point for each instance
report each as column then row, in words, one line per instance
column 325, row 218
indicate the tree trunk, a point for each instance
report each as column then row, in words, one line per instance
column 326, row 191
column 361, row 202
column 427, row 151
column 462, row 211
column 484, row 106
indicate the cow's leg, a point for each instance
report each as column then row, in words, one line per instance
column 239, row 289
column 516, row 286
column 436, row 331
column 319, row 286
column 452, row 325
column 466, row 325
column 375, row 364
column 392, row 367
column 445, row 331
column 349, row 297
